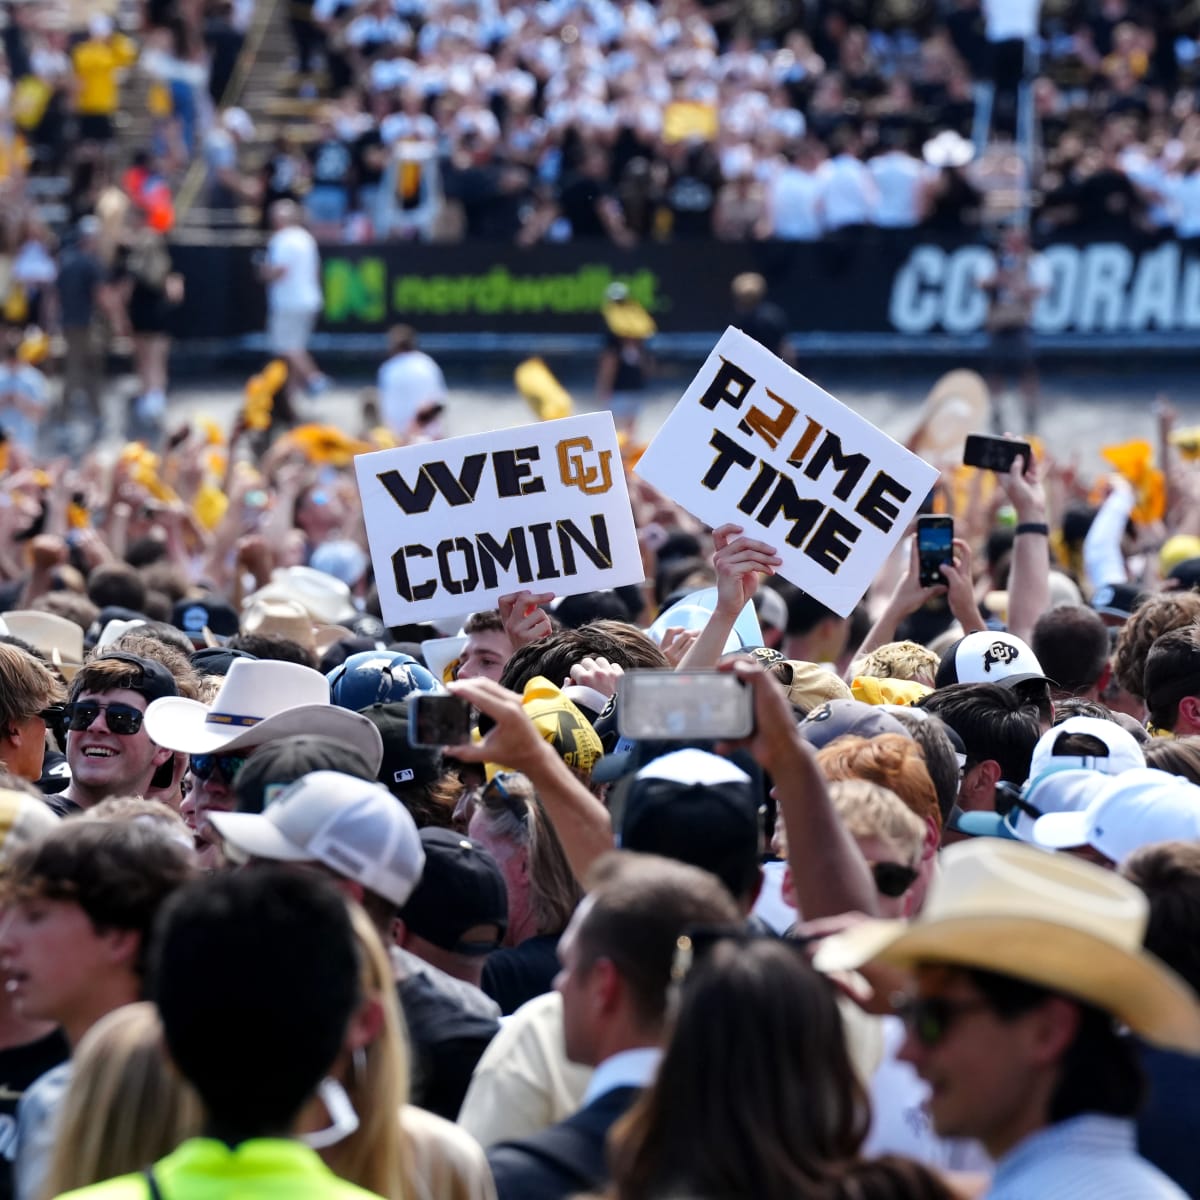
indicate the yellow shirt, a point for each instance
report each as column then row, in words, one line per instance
column 96, row 66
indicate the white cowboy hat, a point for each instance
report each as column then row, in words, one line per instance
column 58, row 639
column 1048, row 919
column 326, row 598
column 260, row 701
column 441, row 655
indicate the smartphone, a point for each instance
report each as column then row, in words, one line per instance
column 670, row 705
column 436, row 720
column 994, row 453
column 935, row 545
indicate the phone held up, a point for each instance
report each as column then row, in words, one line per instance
column 673, row 705
column 994, row 453
column 935, row 545
column 438, row 720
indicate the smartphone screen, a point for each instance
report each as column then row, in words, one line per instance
column 935, row 545
column 994, row 453
column 673, row 705
column 435, row 720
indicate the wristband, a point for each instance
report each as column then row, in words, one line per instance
column 1034, row 527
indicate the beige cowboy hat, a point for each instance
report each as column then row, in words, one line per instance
column 1048, row 919
column 958, row 404
column 60, row 640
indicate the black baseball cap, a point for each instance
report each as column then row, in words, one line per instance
column 461, row 888
column 404, row 765
column 195, row 616
column 155, row 682
column 216, row 660
column 1117, row 600
column 273, row 766
column 847, row 718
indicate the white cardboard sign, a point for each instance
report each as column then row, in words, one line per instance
column 755, row 443
column 454, row 525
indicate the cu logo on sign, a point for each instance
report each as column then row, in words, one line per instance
column 999, row 652
column 575, row 470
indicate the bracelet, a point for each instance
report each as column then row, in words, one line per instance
column 1034, row 527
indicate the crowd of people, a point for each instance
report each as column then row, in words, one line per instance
column 927, row 931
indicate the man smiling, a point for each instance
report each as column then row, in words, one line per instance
column 108, row 749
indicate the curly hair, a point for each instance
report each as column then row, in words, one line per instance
column 891, row 760
column 899, row 660
column 1157, row 616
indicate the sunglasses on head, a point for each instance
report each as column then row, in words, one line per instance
column 227, row 766
column 930, row 1018
column 121, row 719
column 893, row 879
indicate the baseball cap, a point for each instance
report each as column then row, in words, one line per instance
column 156, row 681
column 404, row 765
column 808, row 685
column 1062, row 789
column 24, row 819
column 461, row 888
column 216, row 660
column 843, row 718
column 989, row 656
column 1131, row 810
column 196, row 616
column 1117, row 599
column 352, row 826
column 1123, row 751
column 697, row 808
column 270, row 768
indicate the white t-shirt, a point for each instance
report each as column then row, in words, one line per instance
column 407, row 382
column 847, row 191
column 1184, row 192
column 1009, row 20
column 794, row 199
column 898, row 177
column 298, row 289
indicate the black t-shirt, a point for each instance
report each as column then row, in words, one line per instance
column 579, row 201
column 79, row 274
column 766, row 324
column 690, row 199
column 332, row 163
column 519, row 973
column 19, row 1067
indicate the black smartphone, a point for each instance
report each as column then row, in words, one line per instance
column 935, row 545
column 438, row 720
column 994, row 453
column 670, row 705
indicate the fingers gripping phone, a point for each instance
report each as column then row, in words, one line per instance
column 671, row 705
column 935, row 545
column 994, row 453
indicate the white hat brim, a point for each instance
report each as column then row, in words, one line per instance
column 1136, row 988
column 1062, row 830
column 257, row 836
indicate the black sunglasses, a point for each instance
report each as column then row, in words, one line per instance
column 52, row 713
column 227, row 766
column 893, row 879
column 121, row 719
column 930, row 1018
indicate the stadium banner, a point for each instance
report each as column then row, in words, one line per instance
column 754, row 442
column 454, row 525
column 897, row 283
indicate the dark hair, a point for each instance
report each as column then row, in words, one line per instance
column 1169, row 874
column 576, row 611
column 993, row 722
column 1075, row 706
column 1150, row 621
column 268, row 958
column 1170, row 674
column 116, row 584
column 273, row 646
column 674, row 573
column 488, row 621
column 771, row 1108
column 639, row 906
column 941, row 759
column 159, row 633
column 554, row 656
column 805, row 612
column 1100, row 1071
column 118, row 871
column 1071, row 643
column 1176, row 756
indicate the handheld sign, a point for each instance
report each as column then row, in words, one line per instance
column 454, row 525
column 754, row 442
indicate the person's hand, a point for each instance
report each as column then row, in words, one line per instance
column 48, row 551
column 596, row 673
column 254, row 555
column 92, row 548
column 960, row 588
column 775, row 741
column 910, row 594
column 524, row 620
column 1023, row 487
column 514, row 740
column 676, row 642
column 739, row 561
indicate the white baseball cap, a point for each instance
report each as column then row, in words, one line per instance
column 1124, row 753
column 1133, row 809
column 1061, row 789
column 989, row 657
column 355, row 827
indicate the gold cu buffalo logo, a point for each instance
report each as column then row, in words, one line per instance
column 575, row 470
column 999, row 653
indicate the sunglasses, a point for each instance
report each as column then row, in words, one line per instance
column 227, row 766
column 121, row 719
column 930, row 1018
column 893, row 879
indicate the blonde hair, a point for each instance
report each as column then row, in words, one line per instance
column 899, row 660
column 377, row 1156
column 872, row 810
column 126, row 1105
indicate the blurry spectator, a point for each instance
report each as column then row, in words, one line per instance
column 226, row 184
column 285, row 175
column 24, row 396
column 292, row 273
column 97, row 62
column 588, row 204
column 410, row 385
column 80, row 282
column 794, row 208
column 332, row 171
column 903, row 184
column 758, row 317
column 849, row 196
